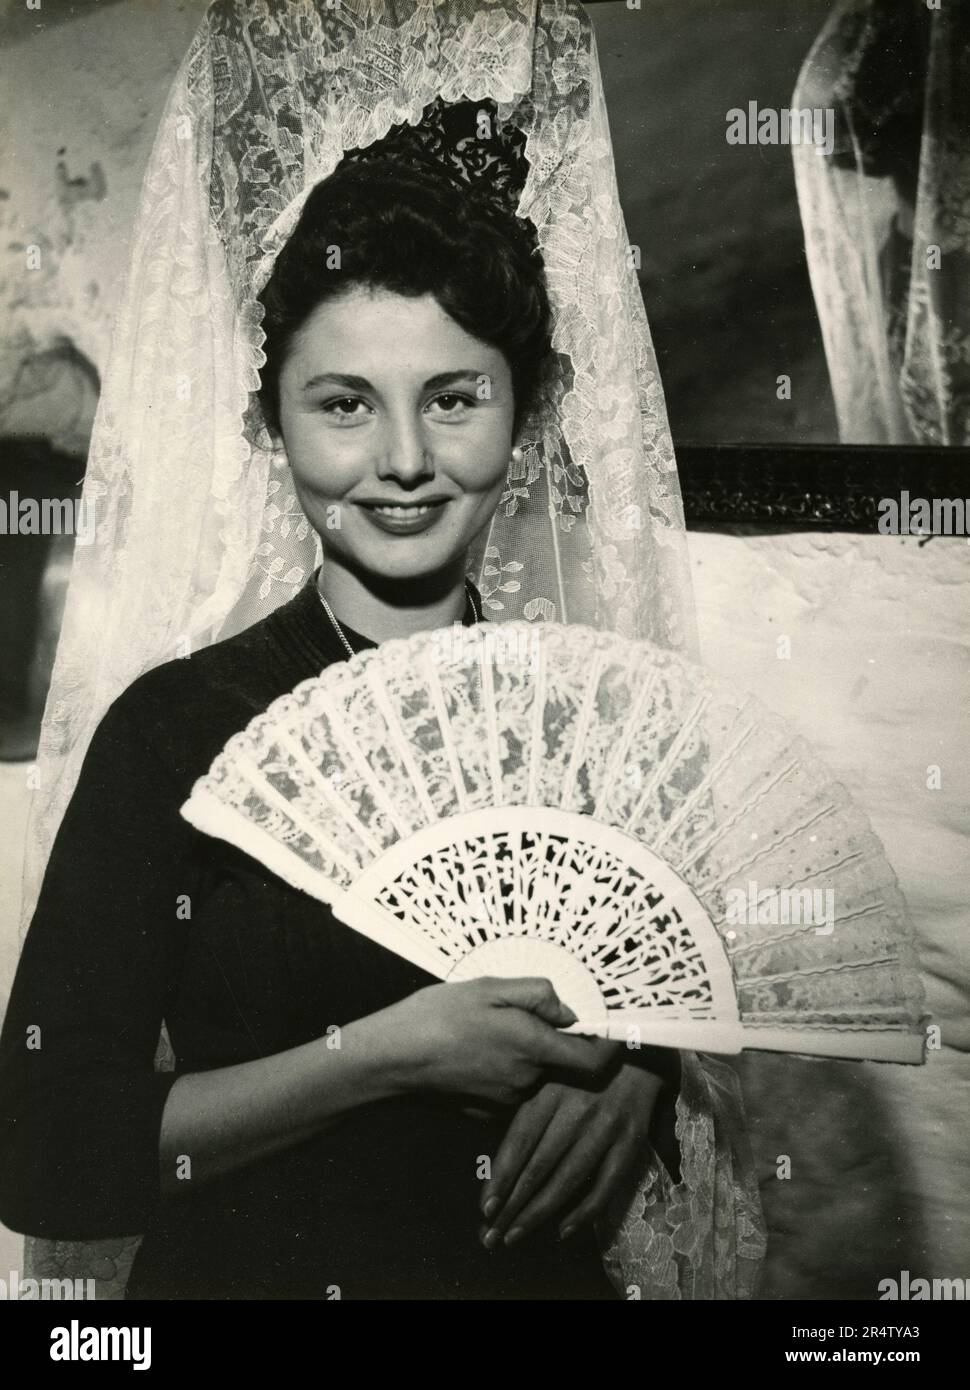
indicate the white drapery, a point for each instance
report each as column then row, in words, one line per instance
column 886, row 217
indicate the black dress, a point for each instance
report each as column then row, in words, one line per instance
column 142, row 918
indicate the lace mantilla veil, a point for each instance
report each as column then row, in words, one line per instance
column 886, row 216
column 199, row 533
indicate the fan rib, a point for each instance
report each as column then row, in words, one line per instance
column 708, row 841
column 686, row 729
column 497, row 898
column 401, row 743
column 538, row 726
column 745, row 865
column 528, row 913
column 833, row 866
column 703, row 789
column 378, row 923
column 881, row 1044
column 215, row 817
column 293, row 812
column 284, row 738
column 622, row 748
column 857, row 914
column 544, row 907
column 442, row 928
column 495, row 770
column 491, row 731
column 352, row 753
column 834, row 967
column 448, row 742
column 583, row 720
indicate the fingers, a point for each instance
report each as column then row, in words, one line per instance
column 586, row 1057
column 611, row 1179
column 559, row 1136
column 517, row 1147
column 604, row 1051
column 536, row 996
column 479, row 1110
column 558, row 1172
column 588, row 1147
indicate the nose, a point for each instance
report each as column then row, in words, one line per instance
column 405, row 455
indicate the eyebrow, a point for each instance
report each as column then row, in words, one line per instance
column 360, row 383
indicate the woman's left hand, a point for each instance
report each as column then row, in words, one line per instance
column 566, row 1154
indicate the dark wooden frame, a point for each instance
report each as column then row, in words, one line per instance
column 811, row 487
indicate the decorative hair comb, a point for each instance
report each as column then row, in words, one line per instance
column 463, row 141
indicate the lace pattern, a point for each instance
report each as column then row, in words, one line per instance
column 703, row 1237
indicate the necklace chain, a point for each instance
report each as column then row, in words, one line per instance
column 343, row 637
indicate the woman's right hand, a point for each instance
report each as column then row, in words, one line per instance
column 490, row 1038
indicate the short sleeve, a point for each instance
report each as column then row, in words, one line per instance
column 80, row 1101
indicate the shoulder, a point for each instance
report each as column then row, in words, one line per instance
column 199, row 675
column 184, row 710
column 195, row 678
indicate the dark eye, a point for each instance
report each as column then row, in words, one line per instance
column 342, row 407
column 452, row 402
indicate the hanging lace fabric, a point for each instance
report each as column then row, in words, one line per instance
column 199, row 533
column 886, row 217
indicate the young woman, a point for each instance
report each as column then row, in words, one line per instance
column 334, row 1115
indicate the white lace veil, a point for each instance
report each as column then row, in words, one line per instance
column 886, row 216
column 198, row 529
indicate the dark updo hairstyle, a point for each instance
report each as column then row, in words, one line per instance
column 412, row 232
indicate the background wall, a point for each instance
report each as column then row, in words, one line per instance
column 723, row 259
column 878, row 629
column 723, row 266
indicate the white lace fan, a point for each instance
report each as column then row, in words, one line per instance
column 554, row 800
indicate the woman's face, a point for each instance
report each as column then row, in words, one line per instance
column 381, row 402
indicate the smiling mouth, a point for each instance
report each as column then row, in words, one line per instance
column 406, row 510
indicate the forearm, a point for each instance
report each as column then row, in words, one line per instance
column 225, row 1119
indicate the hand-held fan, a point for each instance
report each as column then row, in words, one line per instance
column 549, row 799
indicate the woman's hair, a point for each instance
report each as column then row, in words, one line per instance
column 412, row 233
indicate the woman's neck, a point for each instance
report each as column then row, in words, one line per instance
column 393, row 608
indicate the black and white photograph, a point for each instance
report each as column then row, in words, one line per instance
column 484, row 563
